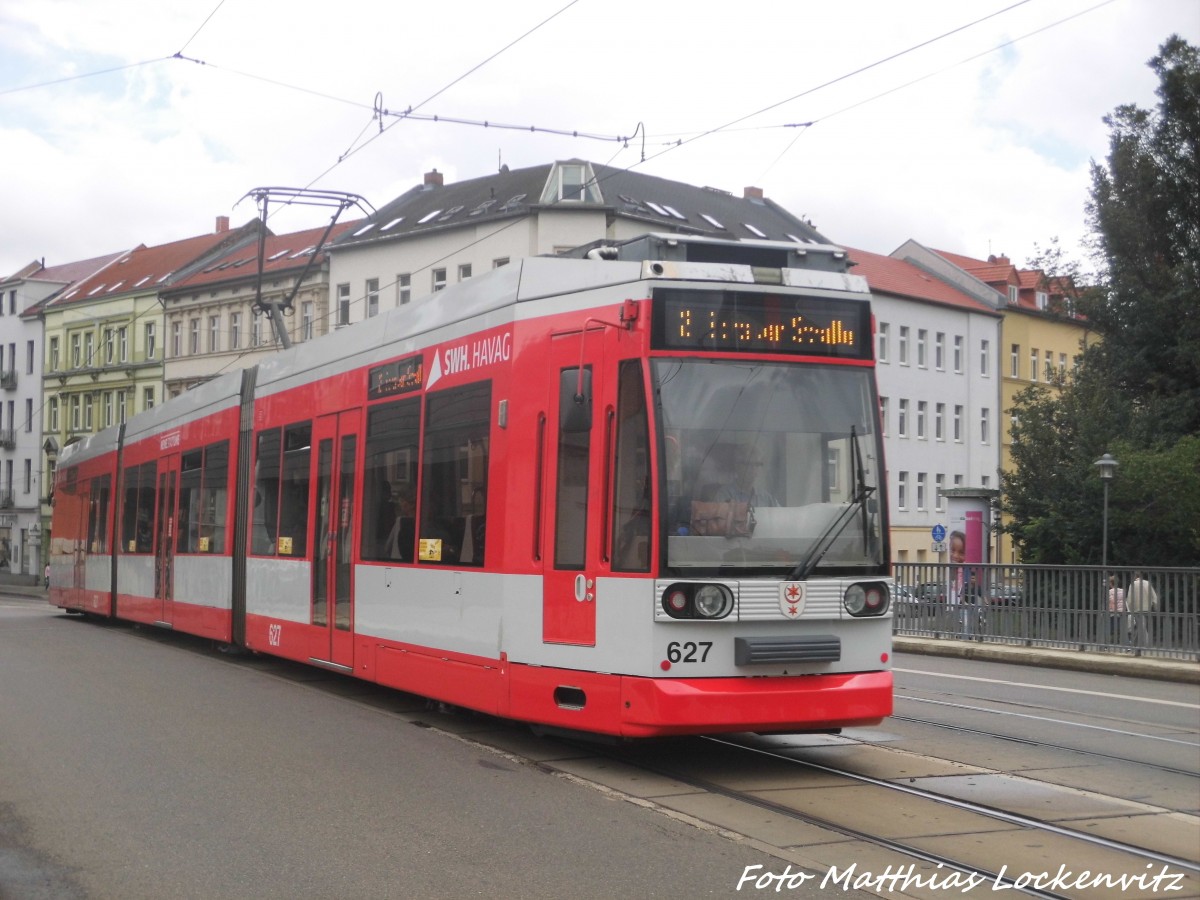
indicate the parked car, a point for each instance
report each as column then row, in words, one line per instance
column 1005, row 594
column 930, row 592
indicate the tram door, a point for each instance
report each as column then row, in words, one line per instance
column 336, row 438
column 165, row 536
column 572, row 494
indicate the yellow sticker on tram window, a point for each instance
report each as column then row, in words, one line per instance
column 133, row 546
column 285, row 546
column 203, row 545
column 430, row 550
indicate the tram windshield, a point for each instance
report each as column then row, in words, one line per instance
column 769, row 466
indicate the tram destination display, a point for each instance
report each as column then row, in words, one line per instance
column 752, row 322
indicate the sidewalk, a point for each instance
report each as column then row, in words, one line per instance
column 1181, row 670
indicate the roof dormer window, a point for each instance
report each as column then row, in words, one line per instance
column 1012, row 293
column 571, row 183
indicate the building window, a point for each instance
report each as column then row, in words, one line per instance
column 214, row 334
column 194, row 337
column 372, row 297
column 1033, row 365
column 439, row 279
column 89, row 349
column 108, row 408
column 54, row 354
column 28, row 415
column 76, row 351
column 902, row 491
column 1013, row 294
column 1014, row 357
column 984, row 426
column 984, row 364
column 28, row 475
column 1062, row 364
column 921, row 408
column 87, row 412
column 151, row 336
column 920, row 490
column 255, row 330
column 501, row 261
column 939, row 416
column 883, row 415
column 939, row 352
column 958, row 413
column 403, row 288
column 306, row 321
column 235, row 330
column 177, row 338
column 939, row 486
column 123, row 344
column 121, row 411
column 902, row 425
column 343, row 299
column 881, row 351
column 464, row 271
column 52, row 415
column 148, row 398
column 958, row 354
column 922, row 338
column 904, row 345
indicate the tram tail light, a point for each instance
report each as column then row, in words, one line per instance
column 866, row 599
column 697, row 601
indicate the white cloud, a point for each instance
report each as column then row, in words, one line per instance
column 990, row 155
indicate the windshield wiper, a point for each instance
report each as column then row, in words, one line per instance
column 862, row 491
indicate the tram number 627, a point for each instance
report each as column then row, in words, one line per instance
column 274, row 634
column 689, row 651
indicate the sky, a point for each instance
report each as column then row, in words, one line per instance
column 966, row 125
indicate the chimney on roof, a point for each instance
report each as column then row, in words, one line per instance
column 1000, row 260
column 222, row 224
column 434, row 179
column 752, row 193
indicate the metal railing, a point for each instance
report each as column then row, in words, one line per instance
column 1053, row 606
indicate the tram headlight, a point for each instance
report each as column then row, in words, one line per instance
column 866, row 599
column 698, row 601
column 713, row 601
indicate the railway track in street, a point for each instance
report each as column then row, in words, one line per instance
column 936, row 842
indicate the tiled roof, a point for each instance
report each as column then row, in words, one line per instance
column 661, row 203
column 146, row 269
column 887, row 275
column 993, row 271
column 283, row 253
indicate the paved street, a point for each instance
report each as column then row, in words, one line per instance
column 137, row 767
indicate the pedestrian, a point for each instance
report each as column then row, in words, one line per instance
column 1116, row 611
column 1142, row 603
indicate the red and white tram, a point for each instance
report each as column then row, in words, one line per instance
column 635, row 491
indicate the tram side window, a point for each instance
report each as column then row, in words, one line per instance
column 631, row 481
column 203, row 478
column 98, row 514
column 454, row 476
column 280, row 519
column 390, row 482
column 137, row 518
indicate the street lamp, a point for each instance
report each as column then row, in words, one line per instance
column 1107, row 466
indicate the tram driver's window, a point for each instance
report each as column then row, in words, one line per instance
column 453, row 526
column 279, row 522
column 631, row 478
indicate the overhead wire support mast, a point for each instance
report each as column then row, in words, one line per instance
column 302, row 197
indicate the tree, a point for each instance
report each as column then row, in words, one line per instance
column 1136, row 393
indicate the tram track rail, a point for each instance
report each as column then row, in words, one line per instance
column 994, row 876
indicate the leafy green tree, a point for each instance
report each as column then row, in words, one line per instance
column 1136, row 393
